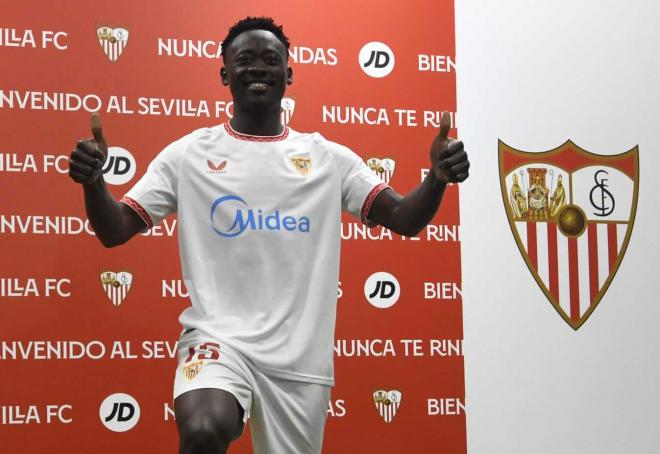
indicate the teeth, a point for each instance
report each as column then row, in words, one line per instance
column 259, row 85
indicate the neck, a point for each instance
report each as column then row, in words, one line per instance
column 262, row 123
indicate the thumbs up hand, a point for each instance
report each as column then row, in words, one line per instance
column 86, row 161
column 449, row 161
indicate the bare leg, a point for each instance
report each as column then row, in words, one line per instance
column 208, row 420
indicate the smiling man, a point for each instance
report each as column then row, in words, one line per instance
column 259, row 208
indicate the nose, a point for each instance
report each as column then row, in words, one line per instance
column 257, row 70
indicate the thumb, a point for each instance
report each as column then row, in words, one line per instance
column 445, row 125
column 97, row 131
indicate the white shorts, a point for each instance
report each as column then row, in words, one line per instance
column 286, row 416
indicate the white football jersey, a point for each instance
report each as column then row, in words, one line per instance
column 259, row 222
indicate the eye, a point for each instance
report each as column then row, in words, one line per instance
column 272, row 59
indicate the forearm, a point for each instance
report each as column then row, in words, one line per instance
column 106, row 215
column 410, row 214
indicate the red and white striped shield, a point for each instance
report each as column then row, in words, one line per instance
column 572, row 214
column 387, row 403
column 113, row 41
column 288, row 106
column 382, row 167
column 116, row 285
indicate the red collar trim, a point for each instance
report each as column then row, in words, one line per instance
column 240, row 136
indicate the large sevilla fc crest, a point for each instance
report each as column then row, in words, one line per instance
column 572, row 214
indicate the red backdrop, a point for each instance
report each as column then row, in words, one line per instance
column 51, row 297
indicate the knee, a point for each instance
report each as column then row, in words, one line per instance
column 206, row 433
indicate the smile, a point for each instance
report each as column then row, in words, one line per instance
column 258, row 86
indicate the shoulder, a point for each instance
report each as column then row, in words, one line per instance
column 206, row 134
column 197, row 137
column 322, row 145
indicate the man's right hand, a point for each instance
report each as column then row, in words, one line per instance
column 86, row 161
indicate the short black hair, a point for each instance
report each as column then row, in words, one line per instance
column 254, row 23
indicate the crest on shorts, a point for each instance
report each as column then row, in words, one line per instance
column 191, row 370
column 116, row 285
column 302, row 165
column 387, row 403
column 571, row 213
column 113, row 41
column 287, row 106
column 382, row 167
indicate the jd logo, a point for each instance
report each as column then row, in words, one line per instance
column 376, row 59
column 119, row 167
column 119, row 412
column 382, row 290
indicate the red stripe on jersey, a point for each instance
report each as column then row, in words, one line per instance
column 135, row 206
column 532, row 245
column 366, row 206
column 237, row 135
column 553, row 260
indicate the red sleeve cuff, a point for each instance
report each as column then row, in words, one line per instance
column 135, row 206
column 366, row 206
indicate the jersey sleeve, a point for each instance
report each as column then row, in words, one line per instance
column 155, row 195
column 359, row 185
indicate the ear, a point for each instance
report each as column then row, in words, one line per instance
column 289, row 78
column 223, row 76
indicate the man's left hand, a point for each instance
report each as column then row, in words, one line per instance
column 449, row 161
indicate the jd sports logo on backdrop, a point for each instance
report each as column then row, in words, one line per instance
column 119, row 167
column 376, row 59
column 119, row 412
column 231, row 216
column 382, row 290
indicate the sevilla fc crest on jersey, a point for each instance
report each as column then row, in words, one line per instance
column 113, row 41
column 572, row 214
column 302, row 165
column 116, row 285
column 387, row 403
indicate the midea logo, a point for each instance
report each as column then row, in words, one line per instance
column 231, row 209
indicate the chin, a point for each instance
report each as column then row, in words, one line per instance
column 261, row 102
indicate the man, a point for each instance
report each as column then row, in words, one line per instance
column 259, row 208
